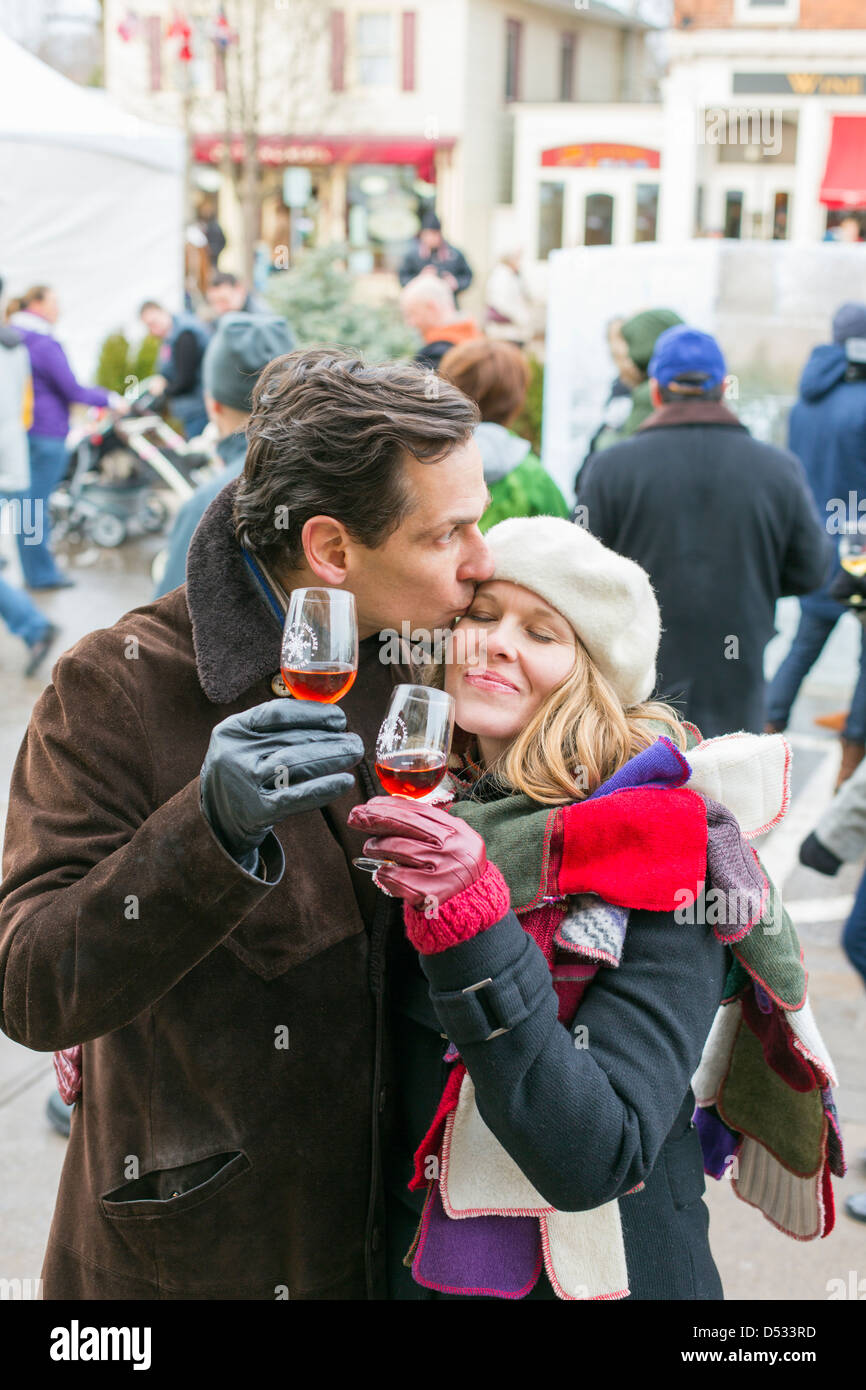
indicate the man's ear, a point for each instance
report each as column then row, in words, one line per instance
column 655, row 394
column 326, row 544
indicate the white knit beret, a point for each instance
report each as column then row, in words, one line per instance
column 607, row 598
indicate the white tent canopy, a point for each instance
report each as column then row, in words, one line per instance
column 91, row 202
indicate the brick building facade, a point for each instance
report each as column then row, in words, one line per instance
column 808, row 14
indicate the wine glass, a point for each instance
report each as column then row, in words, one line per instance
column 319, row 653
column 413, row 746
column 852, row 549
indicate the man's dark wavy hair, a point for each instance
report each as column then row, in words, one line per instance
column 328, row 434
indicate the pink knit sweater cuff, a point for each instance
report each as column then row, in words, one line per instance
column 465, row 915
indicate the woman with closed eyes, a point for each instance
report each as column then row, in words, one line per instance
column 552, row 1003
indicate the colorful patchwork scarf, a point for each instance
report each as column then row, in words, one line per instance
column 765, row 1112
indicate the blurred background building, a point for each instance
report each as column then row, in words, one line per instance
column 760, row 132
column 65, row 33
column 357, row 117
column 793, row 72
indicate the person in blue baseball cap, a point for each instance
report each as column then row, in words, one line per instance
column 723, row 525
column 686, row 362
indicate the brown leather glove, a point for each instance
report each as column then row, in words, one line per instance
column 437, row 855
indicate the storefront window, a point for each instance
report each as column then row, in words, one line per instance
column 382, row 213
column 375, row 50
column 733, row 215
column 646, row 211
column 598, row 223
column 551, row 197
column 781, row 211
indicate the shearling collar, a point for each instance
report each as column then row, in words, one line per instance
column 236, row 635
column 691, row 413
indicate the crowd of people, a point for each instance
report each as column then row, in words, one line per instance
column 443, row 1128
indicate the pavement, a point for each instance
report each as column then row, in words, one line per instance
column 756, row 1262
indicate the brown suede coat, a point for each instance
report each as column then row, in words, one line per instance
column 207, row 1159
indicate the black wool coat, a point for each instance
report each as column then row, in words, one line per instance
column 586, row 1125
column 724, row 525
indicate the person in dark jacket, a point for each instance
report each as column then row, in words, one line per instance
column 227, row 294
column 234, row 359
column 183, row 339
column 431, row 254
column 827, row 432
column 212, row 231
column 566, row 1084
column 150, row 913
column 723, row 524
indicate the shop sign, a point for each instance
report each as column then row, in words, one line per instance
column 600, row 155
column 284, row 150
column 801, row 84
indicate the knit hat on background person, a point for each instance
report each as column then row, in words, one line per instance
column 607, row 598
column 849, row 321
column 237, row 354
column 641, row 332
column 430, row 222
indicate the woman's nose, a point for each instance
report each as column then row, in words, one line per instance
column 501, row 642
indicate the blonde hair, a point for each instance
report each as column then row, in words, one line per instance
column 579, row 737
column 34, row 295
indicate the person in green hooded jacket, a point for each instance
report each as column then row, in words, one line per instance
column 632, row 342
column 495, row 374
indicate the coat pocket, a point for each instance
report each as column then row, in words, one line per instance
column 166, row 1192
column 684, row 1166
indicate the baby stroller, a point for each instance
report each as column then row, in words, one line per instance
column 117, row 468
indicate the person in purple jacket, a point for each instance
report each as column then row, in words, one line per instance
column 54, row 390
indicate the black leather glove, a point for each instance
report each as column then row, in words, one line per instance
column 815, row 855
column 849, row 589
column 274, row 760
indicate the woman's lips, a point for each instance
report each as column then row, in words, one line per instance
column 488, row 681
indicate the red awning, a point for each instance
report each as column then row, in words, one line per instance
column 312, row 150
column 844, row 183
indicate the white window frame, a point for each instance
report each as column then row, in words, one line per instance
column 746, row 12
column 385, row 12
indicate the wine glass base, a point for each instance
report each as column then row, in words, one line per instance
column 371, row 865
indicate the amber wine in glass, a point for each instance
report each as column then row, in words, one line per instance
column 319, row 654
column 413, row 746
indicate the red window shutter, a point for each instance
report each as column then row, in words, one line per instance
column 154, row 50
column 514, row 43
column 338, row 50
column 568, row 50
column 409, row 40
